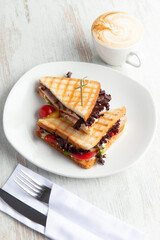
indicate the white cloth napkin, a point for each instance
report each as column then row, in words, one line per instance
column 68, row 216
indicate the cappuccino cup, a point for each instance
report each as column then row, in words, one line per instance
column 116, row 36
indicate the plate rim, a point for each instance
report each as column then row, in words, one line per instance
column 70, row 175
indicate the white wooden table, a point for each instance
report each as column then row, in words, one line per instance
column 38, row 31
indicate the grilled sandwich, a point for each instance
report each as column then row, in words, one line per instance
column 84, row 149
column 82, row 108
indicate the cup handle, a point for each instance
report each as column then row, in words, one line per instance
column 138, row 64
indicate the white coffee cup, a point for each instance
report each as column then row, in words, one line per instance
column 116, row 51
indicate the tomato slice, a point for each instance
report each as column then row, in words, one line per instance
column 85, row 155
column 50, row 138
column 46, row 110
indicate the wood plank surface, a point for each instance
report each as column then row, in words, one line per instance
column 38, row 31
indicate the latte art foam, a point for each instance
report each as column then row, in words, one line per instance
column 117, row 29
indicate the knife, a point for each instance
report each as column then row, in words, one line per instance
column 23, row 208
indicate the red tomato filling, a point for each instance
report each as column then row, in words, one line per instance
column 50, row 138
column 85, row 155
column 46, row 110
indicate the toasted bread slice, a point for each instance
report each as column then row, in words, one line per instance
column 84, row 163
column 64, row 90
column 78, row 138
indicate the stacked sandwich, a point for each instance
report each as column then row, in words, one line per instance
column 83, row 128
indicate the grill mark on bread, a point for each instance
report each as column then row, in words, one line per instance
column 90, row 93
column 75, row 85
column 65, row 89
column 58, row 85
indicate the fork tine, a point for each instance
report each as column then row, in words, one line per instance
column 31, row 187
column 26, row 179
column 31, row 178
column 26, row 189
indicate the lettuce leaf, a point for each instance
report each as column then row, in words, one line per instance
column 101, row 151
column 66, row 153
column 43, row 135
column 47, row 100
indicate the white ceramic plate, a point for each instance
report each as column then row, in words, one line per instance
column 21, row 113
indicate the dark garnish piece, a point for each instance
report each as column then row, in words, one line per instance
column 43, row 88
column 101, row 159
column 112, row 131
column 68, row 75
column 101, row 104
column 42, row 130
column 78, row 124
column 61, row 142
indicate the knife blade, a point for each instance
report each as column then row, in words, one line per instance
column 23, row 208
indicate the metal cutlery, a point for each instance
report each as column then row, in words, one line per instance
column 33, row 187
column 23, row 208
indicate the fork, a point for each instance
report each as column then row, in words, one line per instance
column 33, row 187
